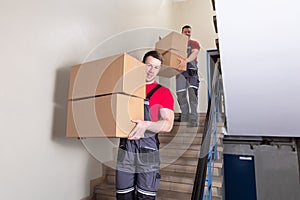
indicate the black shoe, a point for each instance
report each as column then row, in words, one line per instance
column 182, row 118
column 193, row 123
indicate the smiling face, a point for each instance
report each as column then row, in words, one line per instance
column 153, row 67
column 187, row 32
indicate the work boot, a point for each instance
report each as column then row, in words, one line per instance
column 182, row 118
column 193, row 123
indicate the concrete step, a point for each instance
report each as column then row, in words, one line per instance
column 100, row 196
column 172, row 174
column 105, row 191
column 179, row 187
column 179, row 152
column 183, row 187
column 182, row 134
column 184, row 128
column 171, row 146
column 164, row 152
column 180, row 140
column 172, row 195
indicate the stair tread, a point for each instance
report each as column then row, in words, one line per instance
column 180, row 134
column 185, row 177
column 175, row 161
column 105, row 189
column 172, row 195
column 176, row 146
column 183, row 127
column 179, row 152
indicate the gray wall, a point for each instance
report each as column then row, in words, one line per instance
column 276, row 169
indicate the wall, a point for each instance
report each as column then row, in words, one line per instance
column 198, row 14
column 40, row 40
column 276, row 169
column 259, row 45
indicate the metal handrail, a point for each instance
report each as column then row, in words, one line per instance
column 208, row 146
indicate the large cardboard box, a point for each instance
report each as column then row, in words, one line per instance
column 171, row 61
column 104, row 116
column 173, row 40
column 115, row 74
column 172, row 47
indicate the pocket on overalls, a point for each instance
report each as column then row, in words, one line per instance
column 192, row 72
column 121, row 153
column 149, row 156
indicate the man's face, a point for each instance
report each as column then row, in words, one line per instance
column 187, row 32
column 153, row 67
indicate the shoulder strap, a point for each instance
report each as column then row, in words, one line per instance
column 152, row 91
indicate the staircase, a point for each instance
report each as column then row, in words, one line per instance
column 179, row 151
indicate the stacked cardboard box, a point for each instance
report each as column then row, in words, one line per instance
column 104, row 96
column 173, row 47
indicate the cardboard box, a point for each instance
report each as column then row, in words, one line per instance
column 169, row 67
column 173, row 40
column 104, row 116
column 115, row 74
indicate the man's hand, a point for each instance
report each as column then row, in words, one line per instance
column 182, row 64
column 165, row 124
column 139, row 129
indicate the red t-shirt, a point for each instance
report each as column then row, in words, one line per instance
column 193, row 44
column 161, row 98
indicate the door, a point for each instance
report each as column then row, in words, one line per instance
column 239, row 177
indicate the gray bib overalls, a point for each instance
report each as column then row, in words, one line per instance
column 137, row 174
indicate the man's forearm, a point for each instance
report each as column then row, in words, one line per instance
column 160, row 126
column 193, row 55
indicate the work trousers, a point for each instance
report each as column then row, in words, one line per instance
column 138, row 165
column 138, row 174
column 187, row 94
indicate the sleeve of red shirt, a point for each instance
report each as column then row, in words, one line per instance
column 167, row 101
column 195, row 44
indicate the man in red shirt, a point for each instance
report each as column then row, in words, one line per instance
column 138, row 170
column 187, row 83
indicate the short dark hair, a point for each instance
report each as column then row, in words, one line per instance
column 154, row 54
column 186, row 26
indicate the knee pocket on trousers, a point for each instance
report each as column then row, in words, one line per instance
column 193, row 94
column 149, row 185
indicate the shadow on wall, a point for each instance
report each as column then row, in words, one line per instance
column 90, row 166
column 61, row 107
column 94, row 146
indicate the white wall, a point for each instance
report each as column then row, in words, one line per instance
column 40, row 40
column 199, row 15
column 259, row 45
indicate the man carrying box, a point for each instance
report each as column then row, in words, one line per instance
column 138, row 165
column 188, row 81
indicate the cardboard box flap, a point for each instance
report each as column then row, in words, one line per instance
column 113, row 74
column 173, row 40
column 170, row 64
